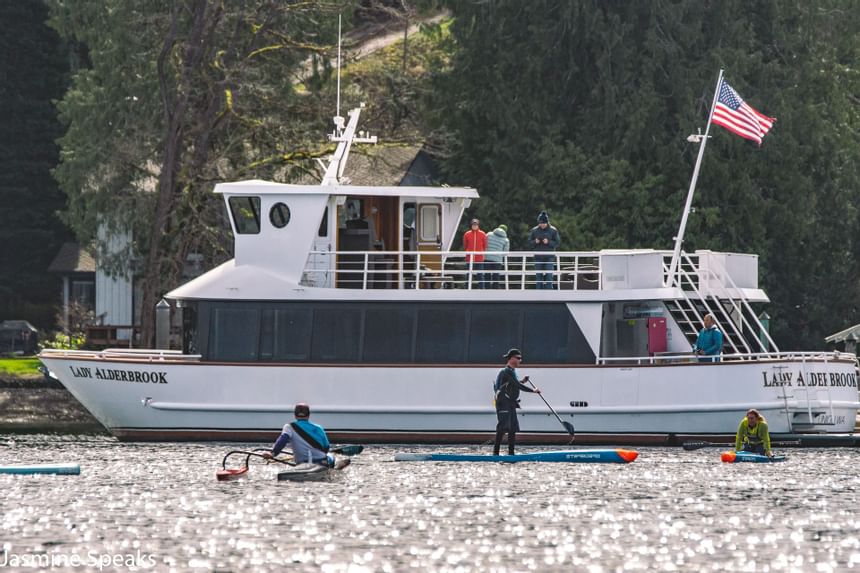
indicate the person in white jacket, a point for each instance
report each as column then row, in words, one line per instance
column 497, row 243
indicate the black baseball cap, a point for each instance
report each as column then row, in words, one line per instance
column 513, row 352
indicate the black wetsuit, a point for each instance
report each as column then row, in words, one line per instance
column 507, row 401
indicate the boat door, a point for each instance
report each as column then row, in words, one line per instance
column 320, row 269
column 428, row 231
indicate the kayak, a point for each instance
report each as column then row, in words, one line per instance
column 297, row 472
column 312, row 472
column 616, row 456
column 737, row 457
column 233, row 474
column 57, row 469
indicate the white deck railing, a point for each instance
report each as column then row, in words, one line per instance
column 688, row 357
column 452, row 269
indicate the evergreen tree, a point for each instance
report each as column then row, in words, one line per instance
column 176, row 97
column 34, row 71
column 583, row 109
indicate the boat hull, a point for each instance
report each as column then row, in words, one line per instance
column 176, row 398
column 567, row 456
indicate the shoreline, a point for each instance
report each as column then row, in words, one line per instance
column 40, row 405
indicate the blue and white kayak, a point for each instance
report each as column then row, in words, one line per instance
column 737, row 457
column 616, row 456
column 29, row 469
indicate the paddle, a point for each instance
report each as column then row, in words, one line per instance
column 347, row 450
column 567, row 425
column 695, row 445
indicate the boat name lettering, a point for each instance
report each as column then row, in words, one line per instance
column 833, row 379
column 120, row 375
column 827, row 419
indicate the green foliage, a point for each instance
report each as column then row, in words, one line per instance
column 34, row 72
column 62, row 341
column 583, row 109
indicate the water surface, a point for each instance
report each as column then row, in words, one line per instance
column 158, row 506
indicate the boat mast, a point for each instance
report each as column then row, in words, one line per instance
column 344, row 136
column 695, row 138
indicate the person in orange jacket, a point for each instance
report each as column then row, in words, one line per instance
column 475, row 241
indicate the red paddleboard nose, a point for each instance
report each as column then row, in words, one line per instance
column 627, row 455
column 728, row 457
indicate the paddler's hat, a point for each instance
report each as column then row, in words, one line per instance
column 302, row 410
column 513, row 352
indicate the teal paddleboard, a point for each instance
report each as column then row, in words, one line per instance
column 615, row 456
column 59, row 469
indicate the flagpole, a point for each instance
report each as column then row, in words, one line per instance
column 676, row 255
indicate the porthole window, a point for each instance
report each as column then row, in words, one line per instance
column 279, row 215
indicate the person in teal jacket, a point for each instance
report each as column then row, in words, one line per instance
column 753, row 435
column 309, row 441
column 709, row 344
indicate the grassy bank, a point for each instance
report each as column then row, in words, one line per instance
column 19, row 367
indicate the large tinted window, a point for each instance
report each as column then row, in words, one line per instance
column 233, row 334
column 494, row 329
column 545, row 334
column 286, row 334
column 336, row 335
column 388, row 335
column 441, row 335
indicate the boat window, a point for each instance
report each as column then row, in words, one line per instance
column 441, row 335
column 428, row 223
column 550, row 336
column 285, row 334
column 233, row 334
column 189, row 327
column 384, row 333
column 492, row 332
column 246, row 214
column 279, row 215
column 388, row 334
column 336, row 335
column 323, row 230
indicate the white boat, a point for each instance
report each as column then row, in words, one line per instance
column 352, row 299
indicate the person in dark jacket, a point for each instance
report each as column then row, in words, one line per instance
column 508, row 389
column 544, row 237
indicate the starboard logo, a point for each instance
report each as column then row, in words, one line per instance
column 119, row 375
column 833, row 379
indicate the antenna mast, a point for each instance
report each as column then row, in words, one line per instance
column 343, row 134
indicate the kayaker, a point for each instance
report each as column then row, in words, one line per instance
column 310, row 442
column 507, row 389
column 753, row 435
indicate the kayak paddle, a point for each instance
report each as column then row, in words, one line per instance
column 347, row 450
column 695, row 445
column 567, row 425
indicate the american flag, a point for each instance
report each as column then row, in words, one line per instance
column 735, row 115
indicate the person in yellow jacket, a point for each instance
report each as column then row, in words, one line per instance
column 753, row 435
